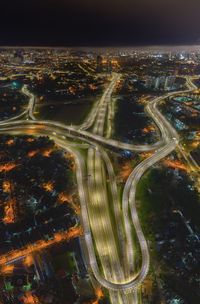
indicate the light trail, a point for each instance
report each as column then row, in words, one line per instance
column 98, row 105
column 171, row 139
column 40, row 245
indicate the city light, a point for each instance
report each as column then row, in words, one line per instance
column 91, row 177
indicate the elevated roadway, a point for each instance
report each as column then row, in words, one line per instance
column 170, row 139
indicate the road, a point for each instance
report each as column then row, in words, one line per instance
column 103, row 107
column 31, row 104
column 99, row 108
column 127, row 285
column 29, row 107
column 93, row 191
column 103, row 230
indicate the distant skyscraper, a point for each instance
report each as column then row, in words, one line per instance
column 159, row 82
column 99, row 63
column 169, row 82
column 18, row 57
column 109, row 66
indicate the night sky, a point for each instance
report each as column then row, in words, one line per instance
column 99, row 23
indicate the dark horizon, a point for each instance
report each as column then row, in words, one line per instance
column 100, row 24
column 136, row 46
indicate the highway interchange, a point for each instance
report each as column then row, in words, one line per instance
column 108, row 237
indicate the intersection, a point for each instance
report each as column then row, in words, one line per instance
column 118, row 276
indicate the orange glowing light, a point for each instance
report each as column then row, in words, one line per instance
column 115, row 62
column 58, row 237
column 125, row 171
column 176, row 164
column 145, row 130
column 6, row 186
column 104, row 61
column 195, row 144
column 7, row 167
column 29, row 298
column 31, row 131
column 148, row 129
column 10, row 142
column 28, row 261
column 146, row 154
column 47, row 152
column 92, row 87
column 48, row 186
column 30, row 139
column 32, row 153
column 72, row 90
column 67, row 198
column 9, row 212
column 64, row 197
column 41, row 245
column 99, row 293
column 7, row 269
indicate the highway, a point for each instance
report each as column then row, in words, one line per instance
column 93, row 194
column 110, row 260
column 84, row 135
column 31, row 104
column 99, row 108
column 103, row 230
column 28, row 108
column 103, row 107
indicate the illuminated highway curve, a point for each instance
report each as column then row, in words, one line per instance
column 129, row 191
column 129, row 285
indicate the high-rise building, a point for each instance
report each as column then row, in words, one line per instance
column 159, row 83
column 169, row 83
column 99, row 64
column 17, row 57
